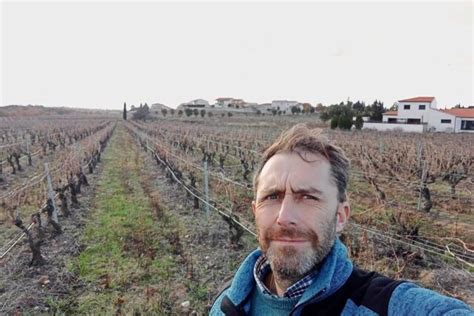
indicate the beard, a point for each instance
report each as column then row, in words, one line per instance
column 289, row 263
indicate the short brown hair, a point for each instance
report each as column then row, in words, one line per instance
column 301, row 139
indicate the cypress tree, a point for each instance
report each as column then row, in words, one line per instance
column 359, row 122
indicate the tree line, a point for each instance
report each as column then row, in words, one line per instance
column 341, row 114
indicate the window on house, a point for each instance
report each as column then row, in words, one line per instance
column 421, row 107
column 467, row 125
column 445, row 121
column 406, row 107
column 413, row 121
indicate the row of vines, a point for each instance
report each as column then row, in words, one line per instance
column 44, row 165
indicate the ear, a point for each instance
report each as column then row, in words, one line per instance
column 253, row 207
column 343, row 214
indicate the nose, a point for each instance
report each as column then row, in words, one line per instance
column 287, row 213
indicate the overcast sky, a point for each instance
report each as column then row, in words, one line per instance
column 99, row 55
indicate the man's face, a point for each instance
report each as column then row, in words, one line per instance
column 297, row 213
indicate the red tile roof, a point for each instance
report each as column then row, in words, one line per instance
column 460, row 112
column 418, row 99
column 390, row 113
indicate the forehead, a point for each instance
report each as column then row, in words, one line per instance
column 286, row 167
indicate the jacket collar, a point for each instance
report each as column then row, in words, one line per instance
column 333, row 273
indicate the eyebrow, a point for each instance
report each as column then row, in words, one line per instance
column 302, row 190
column 309, row 189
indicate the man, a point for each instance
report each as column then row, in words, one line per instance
column 301, row 267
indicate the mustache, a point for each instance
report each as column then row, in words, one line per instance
column 290, row 233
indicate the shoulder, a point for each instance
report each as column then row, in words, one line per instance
column 215, row 308
column 372, row 290
column 408, row 298
column 223, row 305
column 363, row 291
column 386, row 296
column 236, row 291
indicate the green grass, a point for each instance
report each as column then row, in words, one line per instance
column 123, row 254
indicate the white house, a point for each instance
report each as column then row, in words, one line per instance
column 455, row 120
column 420, row 114
column 232, row 103
column 265, row 108
column 237, row 103
column 284, row 105
column 157, row 107
column 415, row 110
column 224, row 102
column 197, row 103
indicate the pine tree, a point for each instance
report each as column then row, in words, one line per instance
column 345, row 121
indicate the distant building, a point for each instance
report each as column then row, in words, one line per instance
column 230, row 103
column 224, row 102
column 420, row 114
column 264, row 108
column 197, row 103
column 461, row 120
column 285, row 105
column 157, row 107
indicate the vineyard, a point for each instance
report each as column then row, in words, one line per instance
column 59, row 152
column 186, row 219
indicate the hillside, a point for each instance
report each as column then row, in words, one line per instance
column 40, row 110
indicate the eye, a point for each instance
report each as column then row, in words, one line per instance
column 310, row 197
column 272, row 196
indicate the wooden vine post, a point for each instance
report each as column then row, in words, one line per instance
column 206, row 185
column 54, row 215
